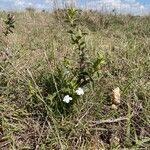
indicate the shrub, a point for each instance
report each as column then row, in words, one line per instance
column 5, row 53
column 60, row 89
column 9, row 24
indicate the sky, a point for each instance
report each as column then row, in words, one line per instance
column 136, row 7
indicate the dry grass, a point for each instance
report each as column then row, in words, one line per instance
column 125, row 41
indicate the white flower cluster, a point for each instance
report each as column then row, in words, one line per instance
column 79, row 92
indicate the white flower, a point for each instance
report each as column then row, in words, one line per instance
column 80, row 91
column 67, row 99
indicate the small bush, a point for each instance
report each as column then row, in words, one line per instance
column 60, row 89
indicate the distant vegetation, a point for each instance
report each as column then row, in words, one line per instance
column 47, row 60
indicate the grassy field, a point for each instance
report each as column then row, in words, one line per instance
column 93, row 124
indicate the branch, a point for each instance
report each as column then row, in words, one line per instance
column 110, row 120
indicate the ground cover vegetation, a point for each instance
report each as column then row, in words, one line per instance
column 73, row 79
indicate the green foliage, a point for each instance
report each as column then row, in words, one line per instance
column 60, row 88
column 9, row 24
column 86, row 68
column 5, row 52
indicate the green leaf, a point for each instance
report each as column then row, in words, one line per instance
column 51, row 96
